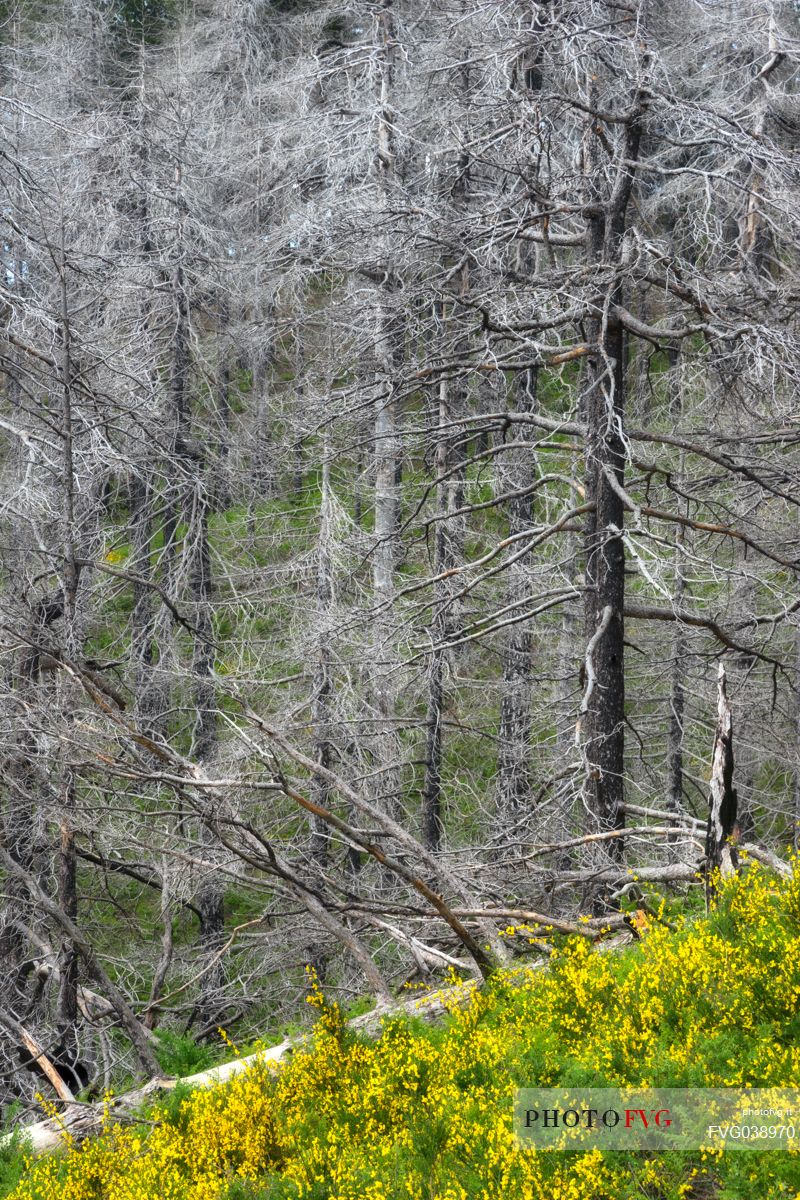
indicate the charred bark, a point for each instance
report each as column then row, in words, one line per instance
column 603, row 405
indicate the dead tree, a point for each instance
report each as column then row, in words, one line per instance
column 723, row 830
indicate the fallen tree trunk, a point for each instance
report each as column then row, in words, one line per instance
column 673, row 873
column 38, row 1055
column 746, row 849
column 83, row 1120
column 78, row 1121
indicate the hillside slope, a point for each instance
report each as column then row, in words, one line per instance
column 424, row 1113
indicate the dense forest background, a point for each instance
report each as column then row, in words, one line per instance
column 398, row 428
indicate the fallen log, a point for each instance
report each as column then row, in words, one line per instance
column 37, row 1053
column 78, row 1121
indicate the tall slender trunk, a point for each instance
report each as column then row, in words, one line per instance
column 205, row 742
column 386, row 445
column 679, row 664
column 178, row 495
column 323, row 678
column 677, row 697
column 298, row 452
column 24, row 787
column 744, row 606
column 513, row 754
column 442, row 623
column 383, row 564
column 176, row 499
column 67, row 1003
column 148, row 700
column 264, row 466
column 187, row 502
column 755, row 237
column 19, row 838
column 569, row 642
column 603, row 402
column 222, row 492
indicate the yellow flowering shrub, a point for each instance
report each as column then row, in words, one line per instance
column 425, row 1113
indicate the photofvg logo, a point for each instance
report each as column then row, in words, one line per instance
column 658, row 1118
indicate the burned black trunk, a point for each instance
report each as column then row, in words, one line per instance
column 603, row 405
column 605, row 581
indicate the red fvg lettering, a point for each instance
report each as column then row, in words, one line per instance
column 632, row 1113
column 660, row 1116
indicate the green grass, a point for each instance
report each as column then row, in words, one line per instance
column 13, row 1150
column 179, row 1054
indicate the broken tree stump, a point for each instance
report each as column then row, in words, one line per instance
column 723, row 830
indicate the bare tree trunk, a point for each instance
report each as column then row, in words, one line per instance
column 743, row 607
column 175, row 503
column 432, row 820
column 677, row 699
column 19, row 838
column 444, row 624
column 178, row 494
column 67, row 1004
column 679, row 665
column 167, row 949
column 148, row 698
column 603, row 404
column 755, row 233
column 23, row 784
column 323, row 677
column 605, row 578
column 513, row 756
column 297, row 450
column 384, row 558
column 264, row 466
column 149, row 701
column 385, row 482
column 221, row 492
column 210, row 897
column 387, row 447
column 723, row 831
